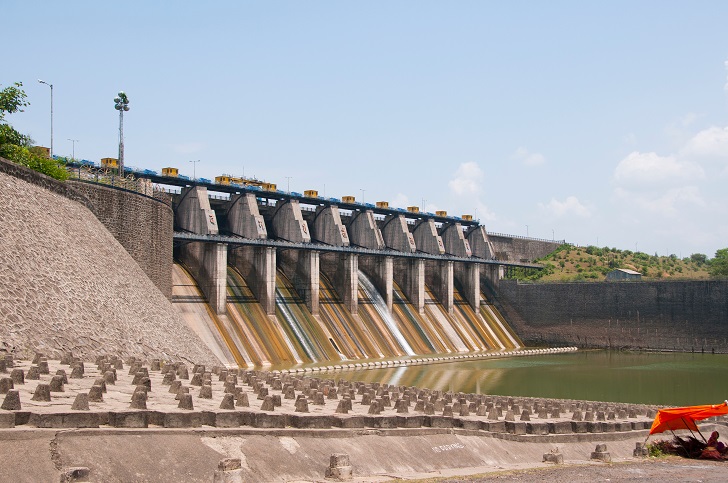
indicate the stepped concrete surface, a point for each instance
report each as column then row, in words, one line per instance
column 68, row 285
column 409, row 437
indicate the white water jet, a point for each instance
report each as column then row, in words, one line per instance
column 381, row 307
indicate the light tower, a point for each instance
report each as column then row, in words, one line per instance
column 121, row 104
column 51, row 86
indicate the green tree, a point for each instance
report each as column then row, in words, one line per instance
column 699, row 258
column 718, row 266
column 12, row 99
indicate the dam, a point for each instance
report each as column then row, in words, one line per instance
column 279, row 280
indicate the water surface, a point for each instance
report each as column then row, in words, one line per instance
column 648, row 378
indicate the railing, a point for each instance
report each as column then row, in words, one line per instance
column 560, row 242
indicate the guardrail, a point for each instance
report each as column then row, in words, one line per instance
column 560, row 242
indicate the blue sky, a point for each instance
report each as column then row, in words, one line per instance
column 599, row 123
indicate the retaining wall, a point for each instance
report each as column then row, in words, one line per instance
column 685, row 316
column 142, row 224
column 516, row 249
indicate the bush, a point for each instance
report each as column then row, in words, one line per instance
column 23, row 156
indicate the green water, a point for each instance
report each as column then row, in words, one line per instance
column 647, row 378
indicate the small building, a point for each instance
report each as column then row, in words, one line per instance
column 623, row 275
column 109, row 163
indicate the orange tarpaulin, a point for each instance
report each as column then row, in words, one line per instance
column 684, row 418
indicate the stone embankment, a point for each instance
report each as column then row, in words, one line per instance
column 111, row 397
column 68, row 285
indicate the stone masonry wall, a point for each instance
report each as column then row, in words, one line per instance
column 654, row 315
column 143, row 226
column 66, row 284
column 516, row 249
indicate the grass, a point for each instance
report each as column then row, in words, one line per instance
column 570, row 263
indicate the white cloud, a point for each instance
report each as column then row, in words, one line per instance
column 570, row 206
column 668, row 203
column 528, row 158
column 652, row 169
column 709, row 143
column 468, row 179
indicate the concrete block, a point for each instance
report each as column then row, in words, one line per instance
column 554, row 456
column 182, row 420
column 268, row 420
column 128, row 419
column 537, row 428
column 515, row 427
column 580, row 426
column 560, row 427
column 494, row 426
column 229, row 470
column 7, row 420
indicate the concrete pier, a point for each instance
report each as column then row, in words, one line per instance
column 257, row 265
column 302, row 269
column 288, row 223
column 440, row 278
column 328, row 228
column 207, row 262
column 409, row 273
column 454, row 240
column 343, row 271
column 427, row 239
column 380, row 271
column 244, row 218
column 397, row 235
column 468, row 277
column 363, row 230
column 480, row 244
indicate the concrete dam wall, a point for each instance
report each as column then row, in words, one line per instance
column 68, row 285
column 666, row 315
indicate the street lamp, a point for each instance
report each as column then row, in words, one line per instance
column 194, row 164
column 73, row 156
column 526, row 230
column 51, row 86
column 288, row 179
column 121, row 104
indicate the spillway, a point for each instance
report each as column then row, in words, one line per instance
column 246, row 336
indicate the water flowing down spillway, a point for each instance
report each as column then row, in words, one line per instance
column 247, row 336
column 381, row 307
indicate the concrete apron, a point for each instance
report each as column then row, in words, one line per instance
column 285, row 455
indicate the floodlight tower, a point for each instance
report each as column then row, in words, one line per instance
column 121, row 104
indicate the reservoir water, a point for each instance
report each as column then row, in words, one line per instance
column 649, row 378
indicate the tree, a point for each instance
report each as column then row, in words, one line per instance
column 699, row 258
column 718, row 266
column 12, row 99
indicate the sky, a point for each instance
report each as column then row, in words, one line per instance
column 598, row 123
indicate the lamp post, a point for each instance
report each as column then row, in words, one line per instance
column 74, row 141
column 121, row 104
column 527, row 230
column 51, row 86
column 362, row 194
column 288, row 179
column 194, row 164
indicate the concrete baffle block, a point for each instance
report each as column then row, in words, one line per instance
column 554, row 456
column 11, row 401
column 342, row 408
column 301, row 405
column 205, row 392
column 96, row 394
column 18, row 376
column 56, row 384
column 185, row 401
column 76, row 372
column 267, row 404
column 33, row 373
column 174, row 386
column 229, row 470
column 138, row 400
column 601, row 454
column 228, row 401
column 6, row 384
column 81, row 402
column 339, row 467
column 42, row 393
column 242, row 400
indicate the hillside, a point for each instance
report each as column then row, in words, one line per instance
column 570, row 263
